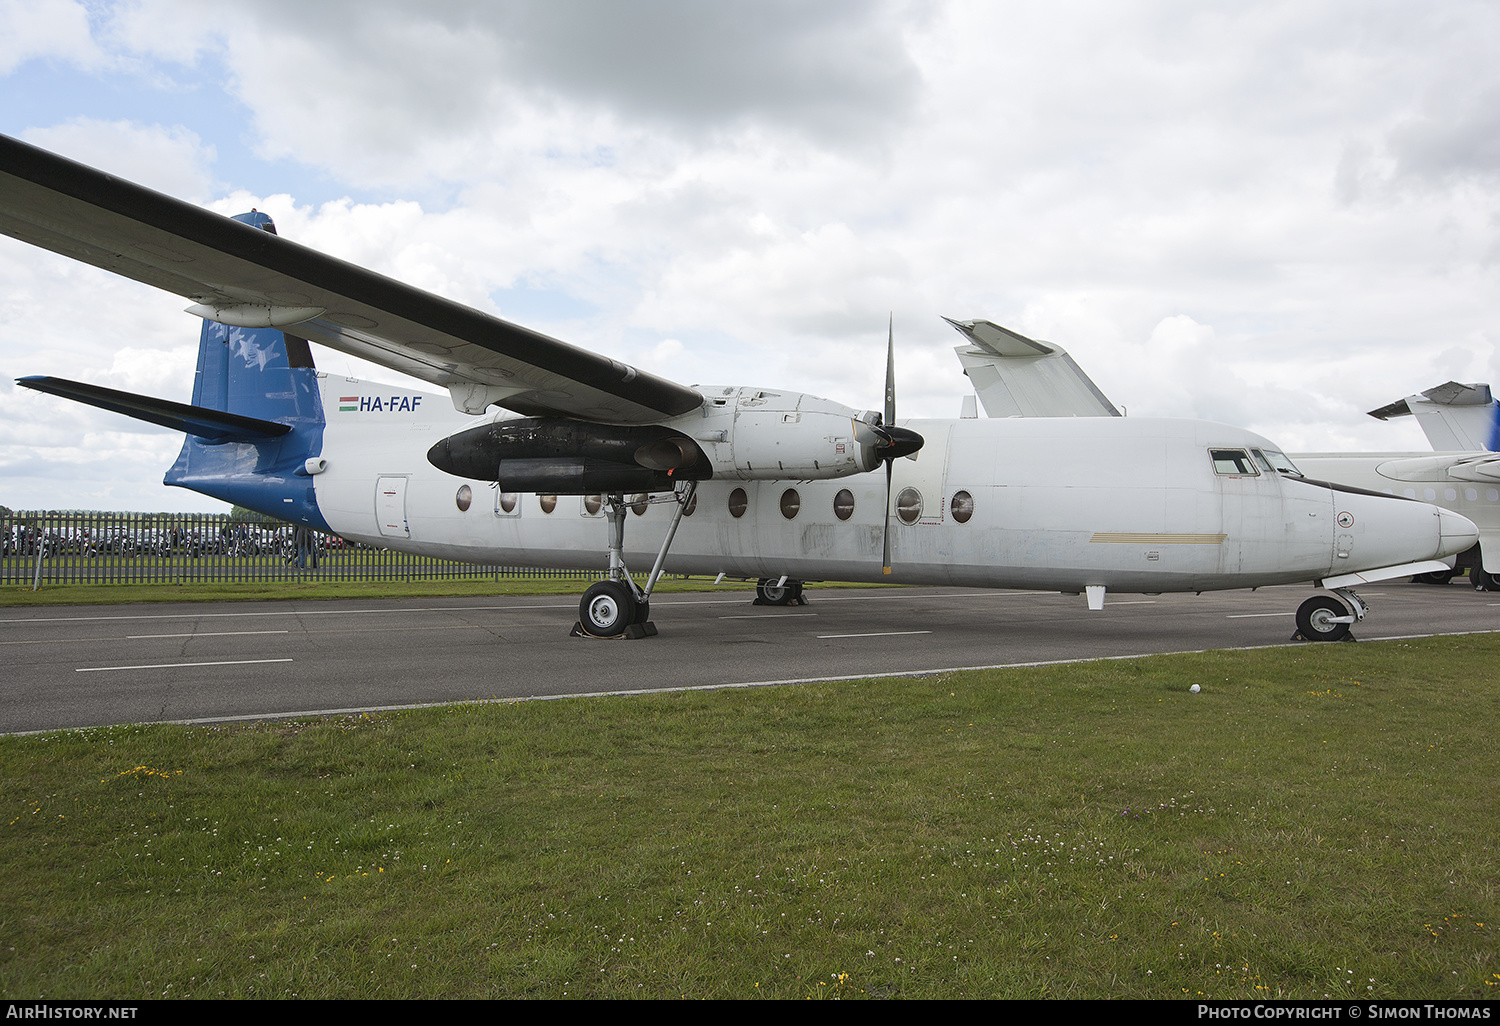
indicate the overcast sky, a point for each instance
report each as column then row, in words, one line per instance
column 1276, row 215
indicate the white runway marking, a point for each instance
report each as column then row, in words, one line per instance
column 205, row 634
column 762, row 616
column 1247, row 616
column 879, row 634
column 177, row 666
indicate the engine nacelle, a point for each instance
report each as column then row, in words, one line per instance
column 746, row 433
column 755, row 434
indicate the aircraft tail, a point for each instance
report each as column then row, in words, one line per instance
column 255, row 425
column 1455, row 417
column 1015, row 376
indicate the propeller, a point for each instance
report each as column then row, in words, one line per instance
column 885, row 442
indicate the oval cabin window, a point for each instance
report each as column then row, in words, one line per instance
column 791, row 503
column 962, row 507
column 909, row 505
column 843, row 504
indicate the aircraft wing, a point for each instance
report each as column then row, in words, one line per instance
column 237, row 274
column 1020, row 377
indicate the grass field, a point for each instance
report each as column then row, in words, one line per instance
column 1320, row 820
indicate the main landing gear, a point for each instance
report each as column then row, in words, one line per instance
column 778, row 591
column 617, row 608
column 1325, row 618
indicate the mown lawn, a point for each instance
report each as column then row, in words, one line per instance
column 1320, row 820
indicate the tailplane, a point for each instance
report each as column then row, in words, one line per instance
column 1455, row 417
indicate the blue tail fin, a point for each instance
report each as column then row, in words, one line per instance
column 265, row 374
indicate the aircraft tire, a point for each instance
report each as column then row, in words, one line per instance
column 642, row 611
column 1483, row 580
column 773, row 594
column 1313, row 619
column 606, row 609
column 1436, row 577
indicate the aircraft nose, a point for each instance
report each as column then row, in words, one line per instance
column 1456, row 533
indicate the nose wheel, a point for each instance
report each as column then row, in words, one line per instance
column 1326, row 618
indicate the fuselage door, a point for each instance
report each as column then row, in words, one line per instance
column 390, row 507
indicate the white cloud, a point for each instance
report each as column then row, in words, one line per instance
column 1279, row 214
column 46, row 29
column 173, row 159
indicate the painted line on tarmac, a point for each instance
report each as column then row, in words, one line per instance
column 877, row 634
column 204, row 634
column 177, row 666
column 763, row 616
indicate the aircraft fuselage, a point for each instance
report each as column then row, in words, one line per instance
column 1129, row 504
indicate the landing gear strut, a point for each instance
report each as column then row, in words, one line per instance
column 617, row 608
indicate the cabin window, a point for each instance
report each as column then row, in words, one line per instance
column 962, row 507
column 791, row 503
column 638, row 504
column 1233, row 462
column 738, row 503
column 507, row 502
column 909, row 505
column 547, row 502
column 464, row 498
column 843, row 504
column 592, row 504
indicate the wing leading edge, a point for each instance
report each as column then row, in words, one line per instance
column 237, row 274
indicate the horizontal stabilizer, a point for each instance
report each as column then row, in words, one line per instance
column 1450, row 393
column 210, row 425
column 1453, row 416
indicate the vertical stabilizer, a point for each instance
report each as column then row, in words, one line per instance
column 269, row 375
column 1015, row 376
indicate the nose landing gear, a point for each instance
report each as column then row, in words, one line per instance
column 1325, row 618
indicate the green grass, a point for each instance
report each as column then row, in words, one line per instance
column 1320, row 820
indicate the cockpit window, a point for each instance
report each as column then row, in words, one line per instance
column 1281, row 464
column 1260, row 458
column 1233, row 462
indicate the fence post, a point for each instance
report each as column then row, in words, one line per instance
column 36, row 582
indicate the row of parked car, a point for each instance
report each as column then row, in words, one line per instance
column 86, row 540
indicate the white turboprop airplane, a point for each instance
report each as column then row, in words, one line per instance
column 745, row 482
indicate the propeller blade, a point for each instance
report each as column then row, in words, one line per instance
column 887, row 449
column 890, row 373
column 885, row 535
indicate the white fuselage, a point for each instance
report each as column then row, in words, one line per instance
column 1128, row 504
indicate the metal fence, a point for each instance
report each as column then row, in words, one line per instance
column 174, row 548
